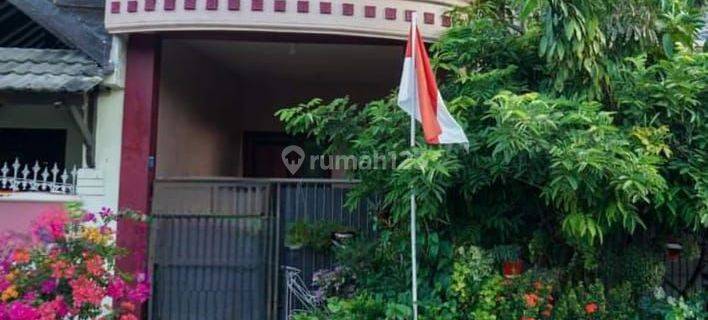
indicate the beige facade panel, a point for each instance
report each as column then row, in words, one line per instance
column 368, row 18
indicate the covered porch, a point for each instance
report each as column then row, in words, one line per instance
column 217, row 99
column 222, row 198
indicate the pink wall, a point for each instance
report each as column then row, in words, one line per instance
column 16, row 216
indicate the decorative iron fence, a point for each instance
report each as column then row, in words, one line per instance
column 187, row 242
column 21, row 177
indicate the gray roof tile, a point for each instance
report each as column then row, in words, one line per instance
column 47, row 70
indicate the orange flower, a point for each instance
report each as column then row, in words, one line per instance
column 527, row 318
column 9, row 293
column 21, row 256
column 546, row 313
column 591, row 308
column 12, row 275
column 531, row 300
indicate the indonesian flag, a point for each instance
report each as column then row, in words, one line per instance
column 419, row 94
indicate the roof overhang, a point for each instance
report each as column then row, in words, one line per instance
column 47, row 70
column 366, row 18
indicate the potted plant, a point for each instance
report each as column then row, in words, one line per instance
column 297, row 235
column 342, row 234
column 326, row 234
column 509, row 257
column 673, row 249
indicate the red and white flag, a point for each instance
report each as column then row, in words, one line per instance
column 419, row 95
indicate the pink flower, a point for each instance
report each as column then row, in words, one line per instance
column 20, row 311
column 30, row 296
column 4, row 284
column 105, row 212
column 50, row 226
column 139, row 293
column 54, row 309
column 89, row 217
column 116, row 288
column 48, row 286
column 84, row 291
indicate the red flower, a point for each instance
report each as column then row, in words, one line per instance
column 531, row 300
column 128, row 317
column 591, row 308
column 127, row 306
column 62, row 269
column 94, row 265
column 21, row 256
column 88, row 291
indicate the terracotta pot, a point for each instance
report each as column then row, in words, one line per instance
column 512, row 269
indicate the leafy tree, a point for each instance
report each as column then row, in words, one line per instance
column 587, row 123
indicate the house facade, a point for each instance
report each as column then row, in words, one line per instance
column 58, row 95
column 200, row 143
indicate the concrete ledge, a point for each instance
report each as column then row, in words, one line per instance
column 37, row 197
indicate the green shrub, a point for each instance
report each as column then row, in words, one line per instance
column 472, row 266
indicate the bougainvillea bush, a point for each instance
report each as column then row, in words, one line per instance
column 67, row 270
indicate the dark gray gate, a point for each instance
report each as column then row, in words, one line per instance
column 218, row 263
column 211, row 267
column 217, row 243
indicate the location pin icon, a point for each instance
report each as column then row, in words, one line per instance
column 293, row 157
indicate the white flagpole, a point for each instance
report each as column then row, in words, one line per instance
column 414, row 257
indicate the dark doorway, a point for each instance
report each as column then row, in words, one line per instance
column 262, row 156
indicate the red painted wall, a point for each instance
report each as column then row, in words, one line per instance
column 138, row 146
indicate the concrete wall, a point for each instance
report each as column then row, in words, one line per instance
column 19, row 210
column 363, row 18
column 98, row 187
column 196, row 116
column 35, row 111
column 205, row 109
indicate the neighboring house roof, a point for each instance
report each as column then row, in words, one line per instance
column 17, row 30
column 76, row 23
column 49, row 70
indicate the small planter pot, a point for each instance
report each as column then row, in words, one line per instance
column 343, row 236
column 512, row 269
column 673, row 250
column 340, row 239
column 294, row 247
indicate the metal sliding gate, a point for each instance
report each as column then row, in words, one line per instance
column 216, row 244
column 215, row 261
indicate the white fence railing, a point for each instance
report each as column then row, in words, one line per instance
column 21, row 177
